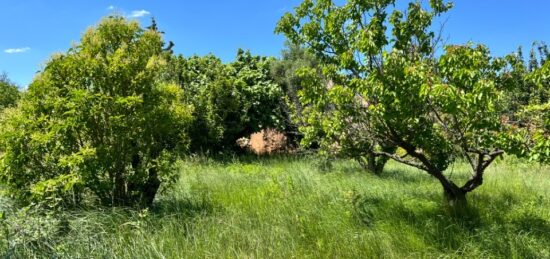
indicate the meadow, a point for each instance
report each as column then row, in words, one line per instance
column 287, row 207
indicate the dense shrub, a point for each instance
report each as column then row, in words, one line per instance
column 97, row 120
column 231, row 100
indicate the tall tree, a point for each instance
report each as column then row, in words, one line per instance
column 390, row 86
column 530, row 134
column 525, row 82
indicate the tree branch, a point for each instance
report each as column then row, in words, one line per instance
column 401, row 160
column 481, row 166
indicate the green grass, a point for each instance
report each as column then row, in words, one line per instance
column 286, row 208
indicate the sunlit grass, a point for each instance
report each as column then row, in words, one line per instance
column 287, row 208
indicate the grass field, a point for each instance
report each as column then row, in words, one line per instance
column 287, row 208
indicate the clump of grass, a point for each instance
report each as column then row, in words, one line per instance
column 285, row 207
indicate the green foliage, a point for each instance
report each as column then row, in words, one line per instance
column 262, row 96
column 99, row 119
column 387, row 89
column 527, row 82
column 284, row 72
column 9, row 94
column 530, row 135
column 539, row 114
column 211, row 90
column 231, row 100
column 350, row 40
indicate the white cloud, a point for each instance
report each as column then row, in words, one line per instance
column 111, row 7
column 17, row 50
column 139, row 13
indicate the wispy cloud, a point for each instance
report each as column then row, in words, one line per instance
column 111, row 7
column 139, row 13
column 17, row 50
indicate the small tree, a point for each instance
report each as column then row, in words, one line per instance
column 98, row 119
column 9, row 94
column 263, row 97
column 218, row 114
column 391, row 91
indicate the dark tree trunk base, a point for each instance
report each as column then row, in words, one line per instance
column 150, row 188
column 374, row 163
column 455, row 201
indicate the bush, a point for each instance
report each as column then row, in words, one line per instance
column 231, row 100
column 97, row 120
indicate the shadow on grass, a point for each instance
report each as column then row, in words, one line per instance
column 447, row 231
column 533, row 225
column 381, row 209
column 184, row 207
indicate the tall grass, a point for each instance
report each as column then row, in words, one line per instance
column 286, row 208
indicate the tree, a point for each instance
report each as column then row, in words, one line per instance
column 350, row 40
column 9, row 94
column 263, row 97
column 231, row 100
column 284, row 72
column 210, row 87
column 528, row 103
column 393, row 90
column 530, row 134
column 98, row 119
column 525, row 91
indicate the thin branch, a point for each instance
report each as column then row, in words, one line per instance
column 401, row 160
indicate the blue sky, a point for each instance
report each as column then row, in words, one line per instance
column 34, row 29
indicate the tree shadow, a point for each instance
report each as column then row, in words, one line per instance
column 535, row 225
column 446, row 230
column 184, row 207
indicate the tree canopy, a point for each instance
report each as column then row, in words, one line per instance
column 389, row 88
column 231, row 100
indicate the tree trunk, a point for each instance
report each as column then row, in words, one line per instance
column 375, row 163
column 150, row 188
column 454, row 195
column 455, row 199
column 120, row 194
column 371, row 164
